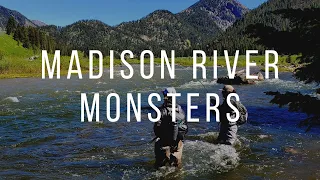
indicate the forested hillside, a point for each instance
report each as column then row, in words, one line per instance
column 193, row 28
column 201, row 26
column 237, row 36
column 34, row 38
column 164, row 30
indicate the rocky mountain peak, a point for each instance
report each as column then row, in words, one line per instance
column 223, row 12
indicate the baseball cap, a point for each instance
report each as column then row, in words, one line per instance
column 228, row 88
column 171, row 90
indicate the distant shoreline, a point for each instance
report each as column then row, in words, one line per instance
column 64, row 72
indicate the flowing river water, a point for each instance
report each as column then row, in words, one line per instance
column 41, row 135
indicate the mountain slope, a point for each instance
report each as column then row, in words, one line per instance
column 93, row 34
column 10, row 47
column 207, row 15
column 159, row 30
column 6, row 13
column 163, row 30
column 39, row 23
column 191, row 28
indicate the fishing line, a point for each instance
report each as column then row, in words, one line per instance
column 196, row 79
column 202, row 86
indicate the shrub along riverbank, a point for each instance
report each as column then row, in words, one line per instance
column 17, row 61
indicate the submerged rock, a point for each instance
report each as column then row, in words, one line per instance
column 240, row 78
column 11, row 99
column 291, row 150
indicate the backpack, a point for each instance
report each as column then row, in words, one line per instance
column 243, row 113
column 180, row 120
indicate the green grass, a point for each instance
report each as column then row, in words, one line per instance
column 13, row 58
column 15, row 62
column 9, row 47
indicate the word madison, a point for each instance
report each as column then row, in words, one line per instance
column 75, row 62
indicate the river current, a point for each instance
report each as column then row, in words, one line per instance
column 41, row 135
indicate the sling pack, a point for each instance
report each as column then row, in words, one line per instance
column 243, row 113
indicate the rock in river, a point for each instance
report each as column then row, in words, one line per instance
column 240, row 78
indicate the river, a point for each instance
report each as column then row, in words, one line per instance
column 41, row 135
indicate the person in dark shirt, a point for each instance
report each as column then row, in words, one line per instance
column 170, row 135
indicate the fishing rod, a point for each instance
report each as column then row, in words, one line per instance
column 196, row 79
column 202, row 86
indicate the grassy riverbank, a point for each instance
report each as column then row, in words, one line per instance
column 18, row 62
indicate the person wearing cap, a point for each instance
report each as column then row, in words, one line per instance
column 228, row 130
column 170, row 135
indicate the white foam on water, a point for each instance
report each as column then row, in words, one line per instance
column 101, row 82
column 106, row 92
column 208, row 135
column 198, row 84
column 203, row 157
column 283, row 84
column 118, row 73
column 263, row 136
column 127, row 154
column 66, row 91
column 167, row 172
column 199, row 159
column 11, row 99
column 145, row 90
column 156, row 89
column 143, row 173
column 184, row 69
column 132, row 174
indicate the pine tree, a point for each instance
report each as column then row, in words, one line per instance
column 21, row 35
column 37, row 37
column 11, row 25
column 43, row 41
column 16, row 35
column 26, row 41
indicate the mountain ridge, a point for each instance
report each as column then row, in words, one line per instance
column 39, row 23
column 6, row 13
column 223, row 12
column 158, row 30
column 163, row 29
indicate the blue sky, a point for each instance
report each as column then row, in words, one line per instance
column 112, row 12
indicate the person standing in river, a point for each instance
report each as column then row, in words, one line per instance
column 170, row 135
column 228, row 130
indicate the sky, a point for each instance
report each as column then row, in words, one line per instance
column 112, row 12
